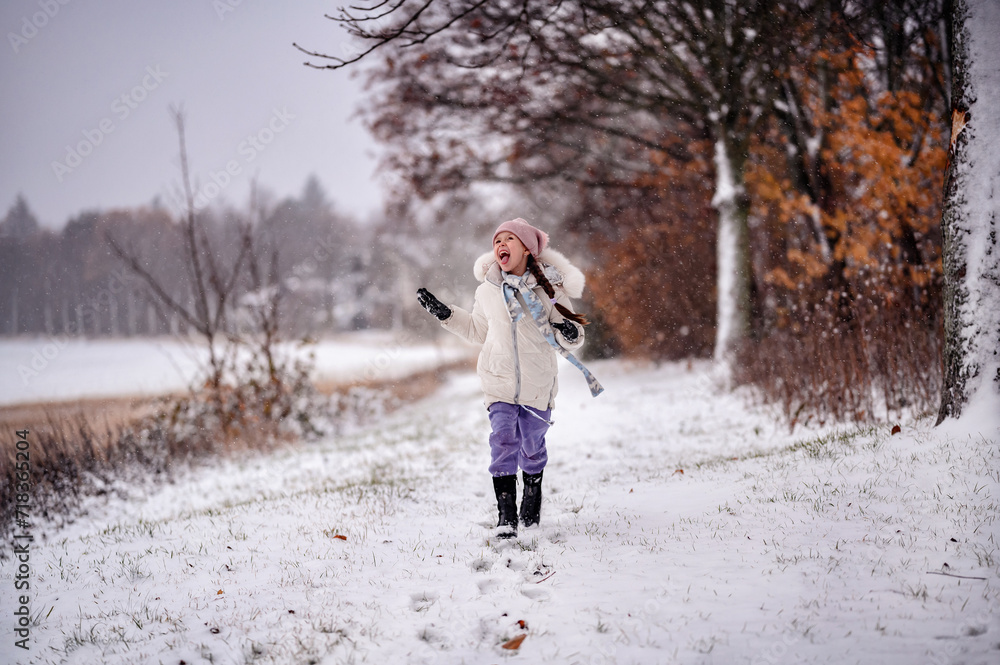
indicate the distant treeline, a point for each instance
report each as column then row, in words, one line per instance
column 71, row 283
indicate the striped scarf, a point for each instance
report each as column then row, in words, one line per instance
column 512, row 285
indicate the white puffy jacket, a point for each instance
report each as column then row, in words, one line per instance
column 516, row 364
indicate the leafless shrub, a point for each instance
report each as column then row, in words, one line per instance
column 883, row 364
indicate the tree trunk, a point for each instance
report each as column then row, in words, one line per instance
column 64, row 312
column 733, row 254
column 13, row 312
column 969, row 218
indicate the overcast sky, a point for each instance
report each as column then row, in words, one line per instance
column 87, row 86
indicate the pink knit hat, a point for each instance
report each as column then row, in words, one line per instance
column 533, row 239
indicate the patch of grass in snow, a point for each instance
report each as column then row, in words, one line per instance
column 385, row 482
column 131, row 568
column 132, row 531
column 820, row 447
column 829, row 445
column 120, row 626
column 985, row 559
column 131, row 627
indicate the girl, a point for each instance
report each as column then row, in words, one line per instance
column 522, row 316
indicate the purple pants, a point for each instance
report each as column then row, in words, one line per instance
column 518, row 439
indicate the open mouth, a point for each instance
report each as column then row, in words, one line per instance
column 503, row 255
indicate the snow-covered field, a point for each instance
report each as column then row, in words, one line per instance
column 49, row 369
column 679, row 525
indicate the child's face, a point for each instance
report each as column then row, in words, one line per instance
column 510, row 253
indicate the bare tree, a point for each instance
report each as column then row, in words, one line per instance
column 253, row 388
column 263, row 302
column 213, row 284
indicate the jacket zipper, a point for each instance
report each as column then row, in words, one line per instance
column 517, row 362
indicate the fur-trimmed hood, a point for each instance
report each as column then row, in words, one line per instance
column 558, row 269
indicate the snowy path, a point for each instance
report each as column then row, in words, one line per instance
column 800, row 551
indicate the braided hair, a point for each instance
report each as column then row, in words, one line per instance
column 543, row 281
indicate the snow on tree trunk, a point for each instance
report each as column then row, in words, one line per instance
column 969, row 221
column 733, row 256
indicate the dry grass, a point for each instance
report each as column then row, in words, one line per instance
column 97, row 413
column 884, row 365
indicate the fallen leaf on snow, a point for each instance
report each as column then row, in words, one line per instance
column 340, row 537
column 514, row 644
column 896, row 429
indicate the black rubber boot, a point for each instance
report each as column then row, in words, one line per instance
column 531, row 502
column 506, row 491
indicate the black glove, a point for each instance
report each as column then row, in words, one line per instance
column 569, row 331
column 432, row 304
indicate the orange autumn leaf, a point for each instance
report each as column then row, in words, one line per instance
column 514, row 644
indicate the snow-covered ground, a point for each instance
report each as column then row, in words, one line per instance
column 679, row 525
column 50, row 369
